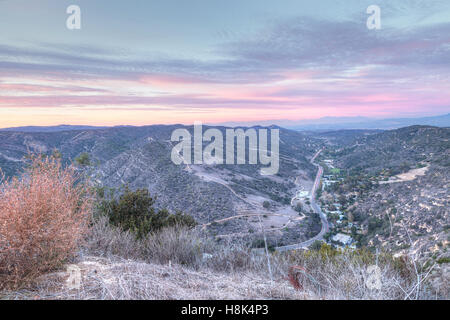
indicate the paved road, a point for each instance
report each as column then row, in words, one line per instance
column 316, row 208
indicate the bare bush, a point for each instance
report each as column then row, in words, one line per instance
column 178, row 245
column 44, row 215
column 236, row 256
column 106, row 241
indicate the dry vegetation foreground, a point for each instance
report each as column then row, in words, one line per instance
column 126, row 279
column 181, row 264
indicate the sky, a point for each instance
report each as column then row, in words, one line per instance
column 141, row 62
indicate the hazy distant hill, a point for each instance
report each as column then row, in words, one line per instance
column 343, row 137
column 58, row 128
column 322, row 124
column 336, row 123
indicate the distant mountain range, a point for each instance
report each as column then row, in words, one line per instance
column 348, row 123
column 58, row 128
column 322, row 124
column 337, row 123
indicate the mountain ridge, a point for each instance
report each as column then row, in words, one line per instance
column 322, row 124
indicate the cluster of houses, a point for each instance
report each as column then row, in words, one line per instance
column 341, row 239
column 335, row 210
column 330, row 179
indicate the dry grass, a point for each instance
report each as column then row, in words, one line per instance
column 43, row 217
column 344, row 278
column 107, row 241
column 126, row 279
column 116, row 278
column 182, row 264
column 180, row 245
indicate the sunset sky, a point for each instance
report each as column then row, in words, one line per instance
column 143, row 62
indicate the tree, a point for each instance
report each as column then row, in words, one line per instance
column 83, row 160
column 266, row 204
column 133, row 211
column 298, row 207
column 353, row 231
column 316, row 245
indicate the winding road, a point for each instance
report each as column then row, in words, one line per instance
column 316, row 208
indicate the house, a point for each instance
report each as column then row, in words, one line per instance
column 346, row 240
column 302, row 194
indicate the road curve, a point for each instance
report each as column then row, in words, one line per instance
column 316, row 208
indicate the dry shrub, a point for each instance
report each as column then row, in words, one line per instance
column 178, row 245
column 191, row 248
column 107, row 241
column 332, row 274
column 44, row 215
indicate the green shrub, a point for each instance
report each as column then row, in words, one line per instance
column 316, row 245
column 443, row 260
column 83, row 160
column 133, row 211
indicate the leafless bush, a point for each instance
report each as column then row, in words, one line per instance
column 107, row 241
column 178, row 245
column 238, row 257
column 43, row 217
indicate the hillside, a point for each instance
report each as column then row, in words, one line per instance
column 140, row 157
column 394, row 189
column 397, row 149
column 236, row 201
